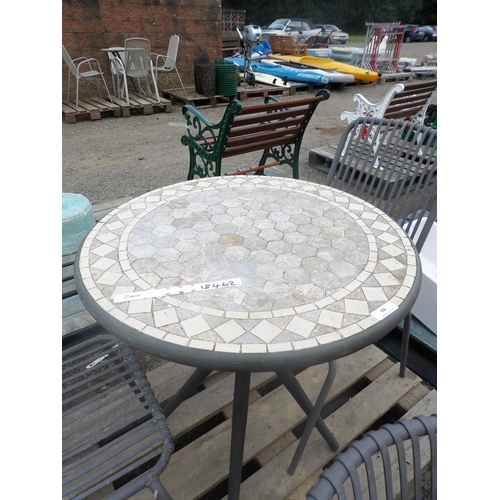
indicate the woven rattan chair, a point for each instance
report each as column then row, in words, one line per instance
column 383, row 462
column 393, row 165
column 115, row 438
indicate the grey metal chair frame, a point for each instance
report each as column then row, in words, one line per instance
column 112, row 423
column 392, row 164
column 397, row 436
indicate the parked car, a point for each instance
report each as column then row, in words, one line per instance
column 413, row 33
column 336, row 34
column 430, row 34
column 300, row 29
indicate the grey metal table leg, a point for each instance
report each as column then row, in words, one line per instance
column 405, row 343
column 238, row 429
column 312, row 411
column 199, row 375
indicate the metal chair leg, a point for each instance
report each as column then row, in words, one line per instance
column 159, row 490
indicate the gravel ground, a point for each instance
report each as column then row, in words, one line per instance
column 117, row 157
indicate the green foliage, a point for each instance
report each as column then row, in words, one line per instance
column 348, row 15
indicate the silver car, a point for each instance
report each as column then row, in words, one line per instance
column 300, row 29
column 336, row 35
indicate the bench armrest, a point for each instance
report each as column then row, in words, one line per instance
column 202, row 134
column 366, row 108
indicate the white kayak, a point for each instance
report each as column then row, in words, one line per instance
column 270, row 79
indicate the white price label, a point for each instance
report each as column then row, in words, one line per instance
column 385, row 310
column 176, row 290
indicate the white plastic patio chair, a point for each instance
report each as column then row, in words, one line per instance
column 138, row 65
column 168, row 63
column 83, row 67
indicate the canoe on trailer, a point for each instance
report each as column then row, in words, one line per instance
column 287, row 73
column 326, row 64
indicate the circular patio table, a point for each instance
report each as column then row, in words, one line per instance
column 249, row 274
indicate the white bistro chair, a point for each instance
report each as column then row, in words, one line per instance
column 138, row 66
column 168, row 63
column 83, row 67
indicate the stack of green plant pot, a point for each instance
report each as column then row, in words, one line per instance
column 226, row 78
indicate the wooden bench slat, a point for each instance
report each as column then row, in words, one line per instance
column 273, row 106
column 68, row 271
column 248, row 148
column 253, row 132
column 68, row 288
column 274, row 118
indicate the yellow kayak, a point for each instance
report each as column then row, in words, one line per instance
column 326, row 64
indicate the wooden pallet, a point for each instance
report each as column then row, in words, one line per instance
column 367, row 392
column 95, row 109
column 395, row 77
column 89, row 108
column 75, row 317
column 243, row 92
column 143, row 105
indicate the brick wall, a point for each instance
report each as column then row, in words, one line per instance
column 91, row 25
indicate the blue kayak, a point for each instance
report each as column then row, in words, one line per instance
column 283, row 72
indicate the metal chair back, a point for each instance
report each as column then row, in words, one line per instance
column 69, row 62
column 173, row 48
column 138, row 65
column 392, row 164
column 137, row 57
column 382, row 462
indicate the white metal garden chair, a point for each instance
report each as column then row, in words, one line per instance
column 83, row 67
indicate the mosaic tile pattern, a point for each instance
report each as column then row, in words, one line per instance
column 314, row 264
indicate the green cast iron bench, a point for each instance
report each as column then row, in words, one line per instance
column 276, row 128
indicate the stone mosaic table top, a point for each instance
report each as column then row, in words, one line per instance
column 247, row 265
